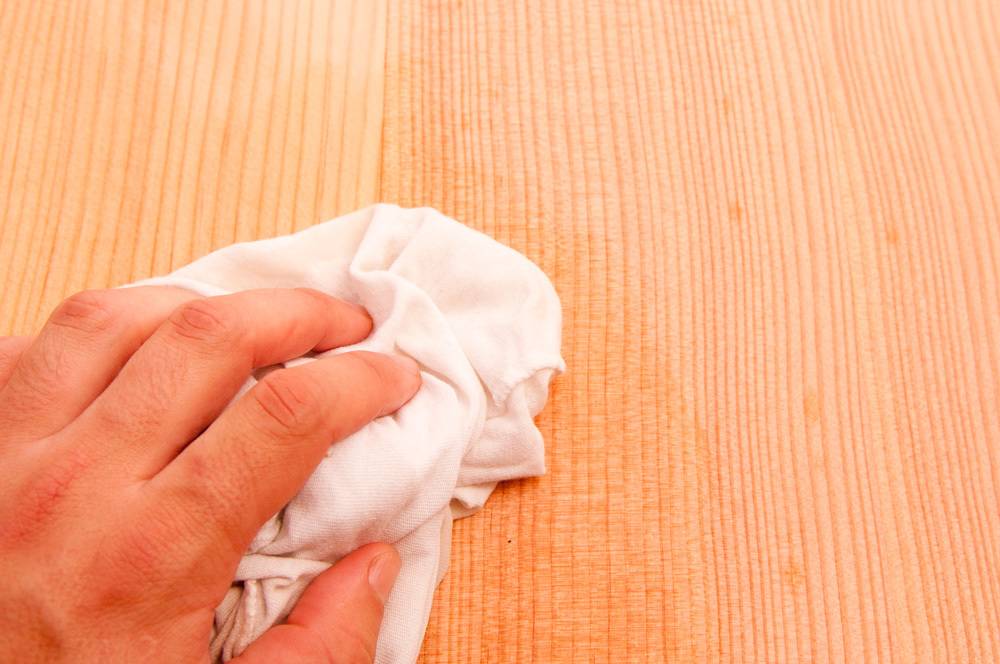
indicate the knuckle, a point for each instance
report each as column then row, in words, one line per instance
column 90, row 312
column 43, row 497
column 205, row 322
column 141, row 554
column 139, row 558
column 287, row 402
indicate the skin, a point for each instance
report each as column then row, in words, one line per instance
column 127, row 495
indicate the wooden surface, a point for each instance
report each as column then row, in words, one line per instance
column 136, row 136
column 774, row 226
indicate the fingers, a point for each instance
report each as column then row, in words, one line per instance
column 10, row 350
column 338, row 617
column 258, row 454
column 196, row 361
column 76, row 355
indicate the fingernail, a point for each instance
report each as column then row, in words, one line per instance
column 382, row 573
column 407, row 363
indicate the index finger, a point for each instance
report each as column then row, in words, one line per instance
column 257, row 455
column 195, row 362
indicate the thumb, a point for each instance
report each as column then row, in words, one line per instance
column 336, row 620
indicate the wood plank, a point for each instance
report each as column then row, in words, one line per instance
column 137, row 136
column 774, row 227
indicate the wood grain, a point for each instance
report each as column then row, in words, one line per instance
column 775, row 230
column 774, row 226
column 135, row 136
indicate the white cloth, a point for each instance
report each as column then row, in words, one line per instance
column 483, row 322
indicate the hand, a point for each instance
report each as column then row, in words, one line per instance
column 125, row 505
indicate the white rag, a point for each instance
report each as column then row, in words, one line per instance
column 483, row 322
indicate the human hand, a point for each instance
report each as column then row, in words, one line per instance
column 126, row 505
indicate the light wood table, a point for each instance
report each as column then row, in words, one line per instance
column 774, row 227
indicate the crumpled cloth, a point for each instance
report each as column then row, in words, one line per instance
column 483, row 322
